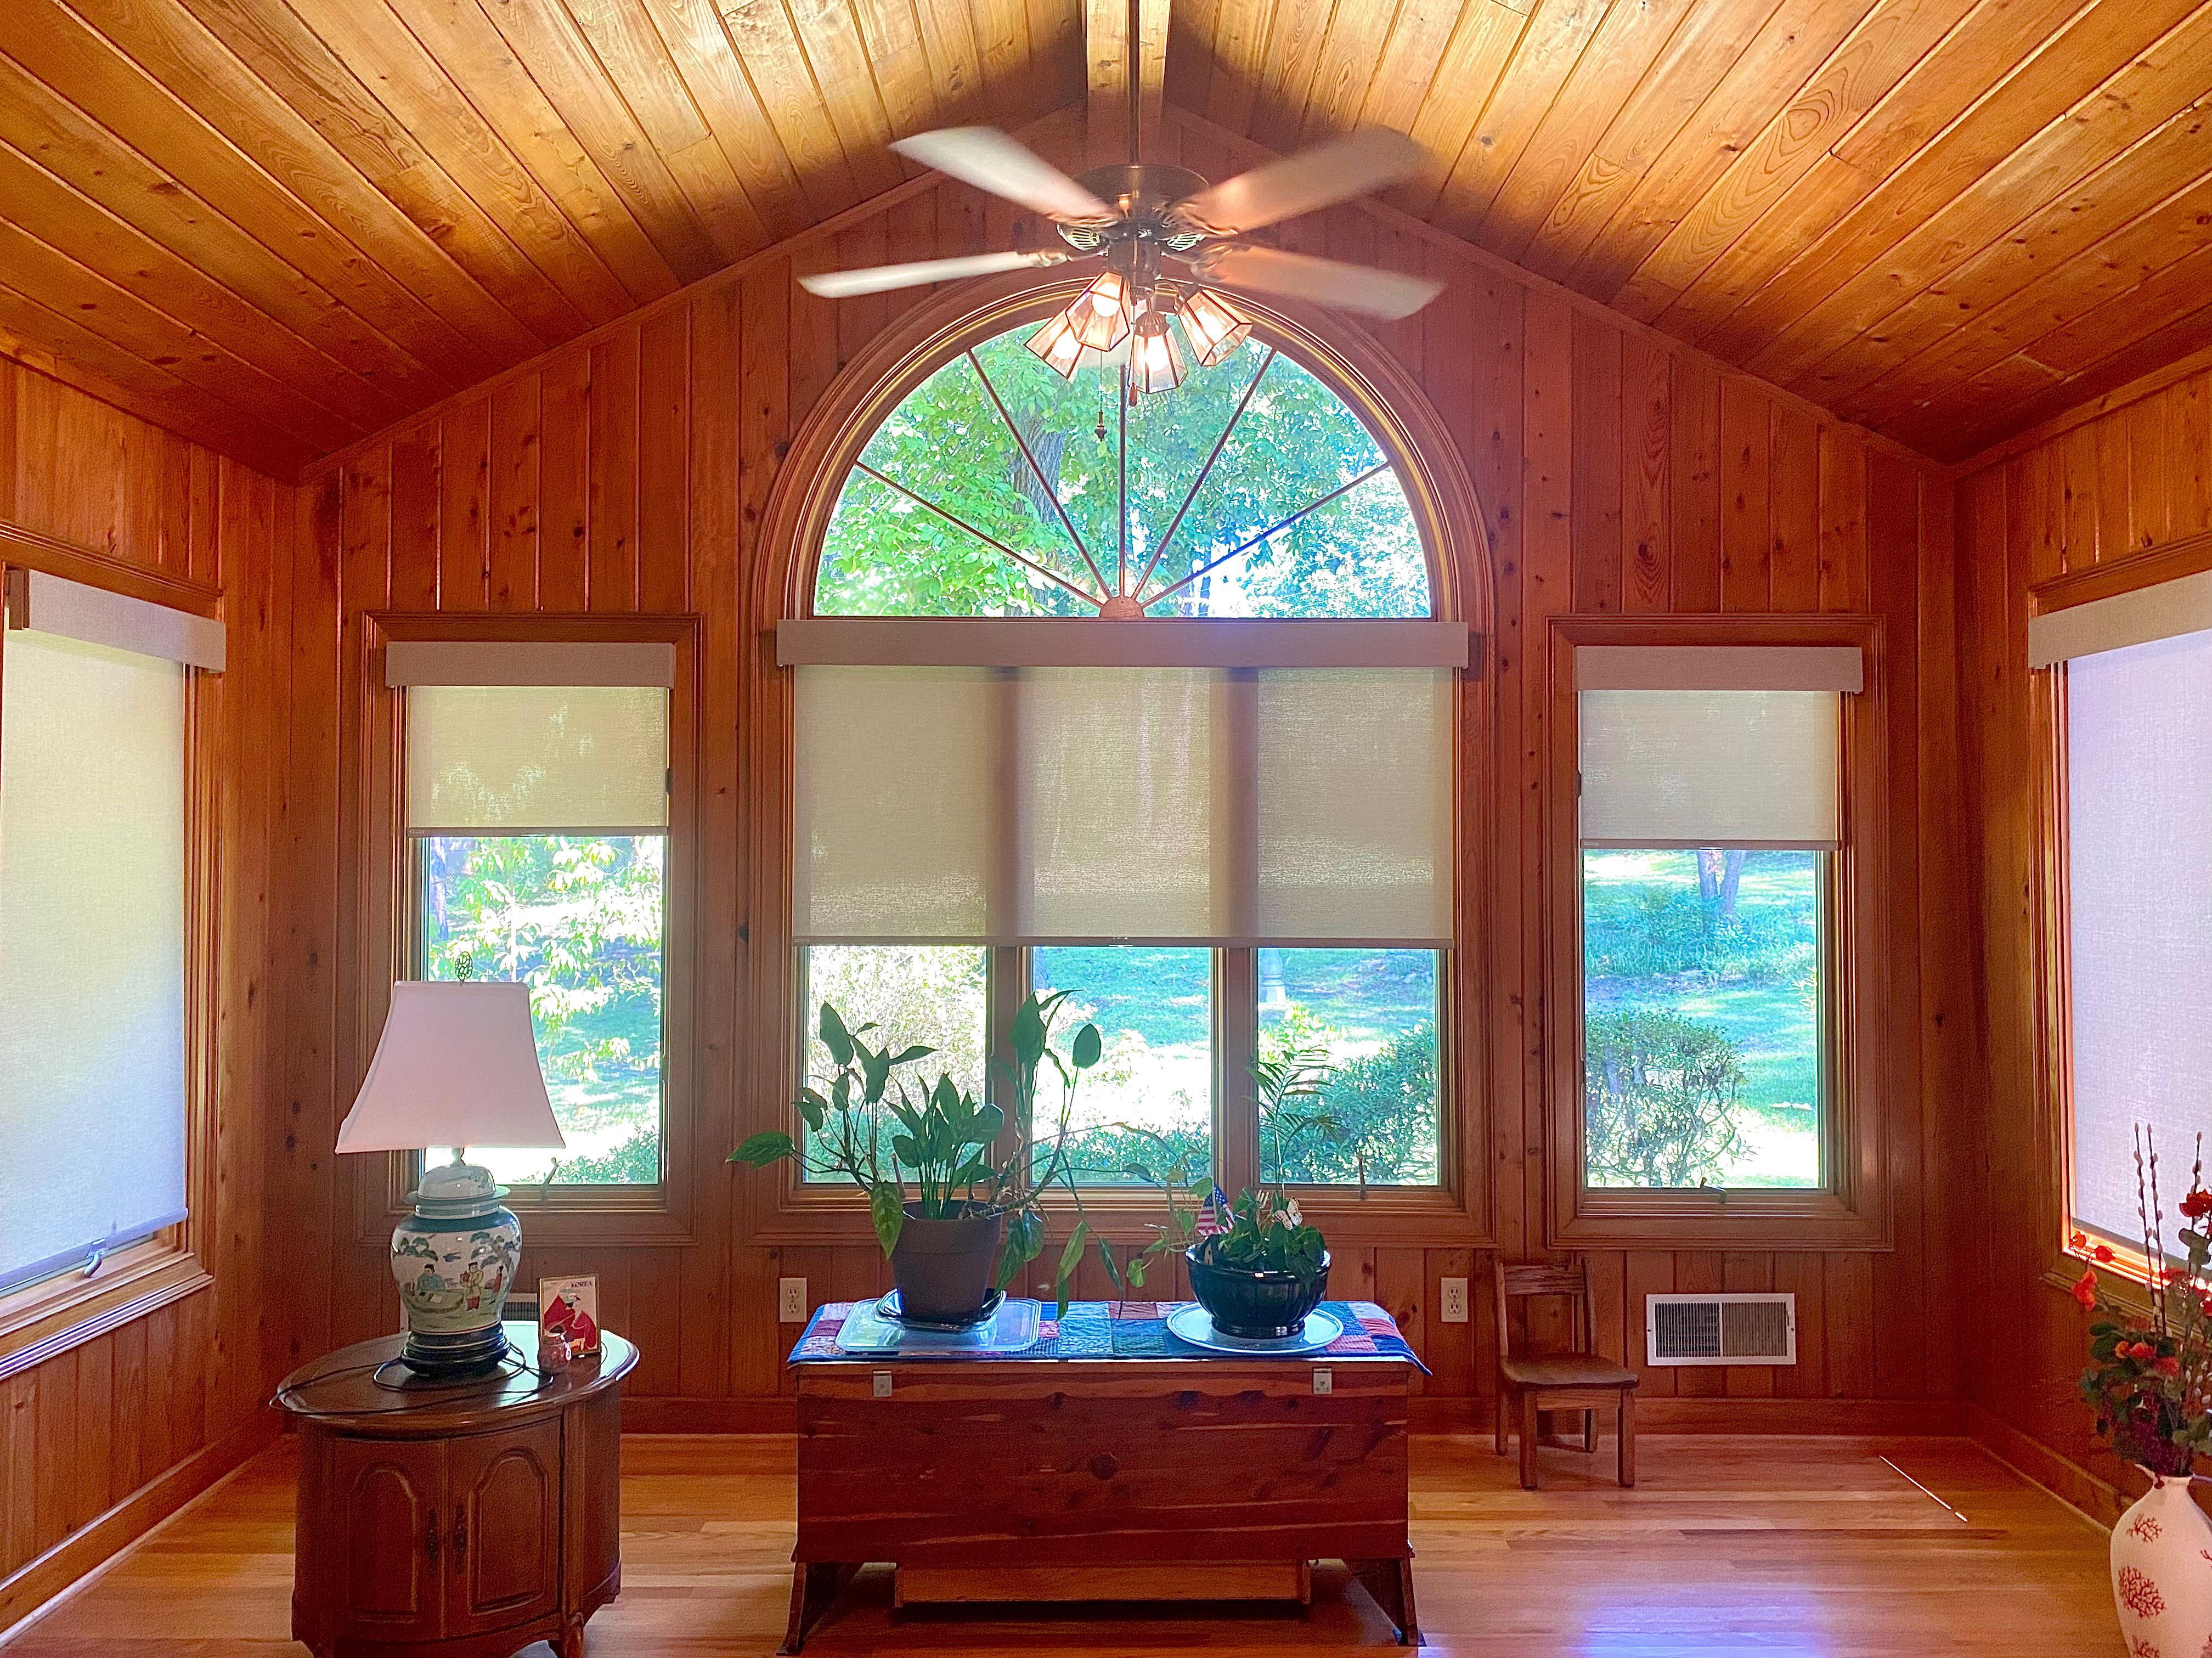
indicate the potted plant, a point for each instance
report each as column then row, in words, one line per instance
column 1261, row 1268
column 2149, row 1380
column 950, row 1191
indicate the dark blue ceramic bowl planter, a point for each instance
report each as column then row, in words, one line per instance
column 1258, row 1306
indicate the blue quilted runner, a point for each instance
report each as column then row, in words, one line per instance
column 1111, row 1329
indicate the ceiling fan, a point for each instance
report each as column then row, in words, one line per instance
column 1143, row 218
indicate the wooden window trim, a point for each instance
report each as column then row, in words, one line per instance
column 772, row 1205
column 45, row 1320
column 2051, row 964
column 374, row 870
column 1852, row 1211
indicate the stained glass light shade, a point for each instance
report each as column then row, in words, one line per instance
column 996, row 488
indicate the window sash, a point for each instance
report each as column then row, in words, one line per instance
column 1235, row 1018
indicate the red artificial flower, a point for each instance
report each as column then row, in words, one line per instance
column 2197, row 1204
column 2079, row 1240
column 2085, row 1287
column 2102, row 1253
column 2168, row 1366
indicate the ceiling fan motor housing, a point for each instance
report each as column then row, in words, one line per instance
column 1145, row 195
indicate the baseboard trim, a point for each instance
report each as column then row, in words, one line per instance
column 37, row 1583
column 2095, row 1500
column 1902, row 1417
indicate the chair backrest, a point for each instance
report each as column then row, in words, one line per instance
column 1518, row 1280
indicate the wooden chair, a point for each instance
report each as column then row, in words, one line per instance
column 1545, row 1383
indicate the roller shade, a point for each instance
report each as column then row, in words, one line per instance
column 92, row 950
column 537, row 759
column 1710, row 769
column 2166, row 611
column 1178, row 805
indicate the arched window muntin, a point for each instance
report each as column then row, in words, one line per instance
column 1425, row 455
column 1071, row 547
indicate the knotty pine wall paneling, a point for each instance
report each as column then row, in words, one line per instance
column 105, row 1439
column 2129, row 477
column 1617, row 470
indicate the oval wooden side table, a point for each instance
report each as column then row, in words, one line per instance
column 464, row 1519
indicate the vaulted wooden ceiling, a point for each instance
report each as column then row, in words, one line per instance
column 281, row 224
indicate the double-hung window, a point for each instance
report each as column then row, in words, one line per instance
column 1145, row 701
column 98, row 919
column 537, row 821
column 1719, row 873
column 2128, row 864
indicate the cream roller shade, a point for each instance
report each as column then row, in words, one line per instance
column 2167, row 611
column 92, row 950
column 1166, row 805
column 94, row 615
column 537, row 759
column 1710, row 769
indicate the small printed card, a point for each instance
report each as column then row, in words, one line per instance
column 569, row 1312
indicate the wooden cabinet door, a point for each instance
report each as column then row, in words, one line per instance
column 387, row 1502
column 503, row 1551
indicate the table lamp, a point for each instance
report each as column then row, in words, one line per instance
column 457, row 1065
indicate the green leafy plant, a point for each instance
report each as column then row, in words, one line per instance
column 1264, row 1231
column 1660, row 1094
column 888, row 1133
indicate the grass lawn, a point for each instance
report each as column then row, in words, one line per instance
column 1648, row 945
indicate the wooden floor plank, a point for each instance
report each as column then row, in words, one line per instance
column 1816, row 1546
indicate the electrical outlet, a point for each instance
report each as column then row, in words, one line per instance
column 1324, row 1381
column 1455, row 1307
column 791, row 1300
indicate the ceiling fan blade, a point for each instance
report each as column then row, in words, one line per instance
column 1375, row 293
column 879, row 278
column 989, row 159
column 1333, row 172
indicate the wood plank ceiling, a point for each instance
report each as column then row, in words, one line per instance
column 278, row 225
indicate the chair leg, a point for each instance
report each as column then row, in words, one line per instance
column 1624, row 1419
column 1505, row 1404
column 1589, row 1433
column 1528, row 1439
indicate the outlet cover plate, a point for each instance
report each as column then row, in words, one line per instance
column 791, row 1300
column 1454, row 1310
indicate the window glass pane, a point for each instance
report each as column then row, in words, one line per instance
column 92, row 951
column 1372, row 1014
column 1046, row 515
column 1155, row 1010
column 581, row 918
column 930, row 994
column 1702, row 1011
column 2139, row 837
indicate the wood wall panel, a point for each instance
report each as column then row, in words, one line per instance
column 1616, row 470
column 2128, row 476
column 138, row 1418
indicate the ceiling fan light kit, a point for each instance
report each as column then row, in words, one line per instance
column 1142, row 216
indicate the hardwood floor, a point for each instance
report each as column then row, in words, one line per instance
column 1787, row 1548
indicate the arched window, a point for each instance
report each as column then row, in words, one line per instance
column 997, row 487
column 1189, row 758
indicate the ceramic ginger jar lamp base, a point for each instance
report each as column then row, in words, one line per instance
column 454, row 1259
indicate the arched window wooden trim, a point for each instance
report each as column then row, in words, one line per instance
column 780, row 581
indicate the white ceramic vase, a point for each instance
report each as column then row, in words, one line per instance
column 2162, row 1574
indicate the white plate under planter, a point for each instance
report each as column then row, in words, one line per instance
column 1195, row 1325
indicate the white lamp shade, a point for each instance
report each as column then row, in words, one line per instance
column 457, row 1064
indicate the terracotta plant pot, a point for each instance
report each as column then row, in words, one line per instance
column 1257, row 1306
column 2162, row 1571
column 943, row 1267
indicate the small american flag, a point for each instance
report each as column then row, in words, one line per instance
column 1214, row 1218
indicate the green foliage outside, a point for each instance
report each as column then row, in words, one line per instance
column 947, row 442
column 580, row 919
column 1701, row 984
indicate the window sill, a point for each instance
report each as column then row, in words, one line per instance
column 48, row 1320
column 1387, row 1215
column 1764, row 1218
